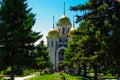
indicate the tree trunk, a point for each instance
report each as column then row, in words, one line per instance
column 118, row 71
column 95, row 72
column 84, row 66
column 79, row 71
column 12, row 73
column 118, row 74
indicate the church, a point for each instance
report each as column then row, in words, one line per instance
column 58, row 38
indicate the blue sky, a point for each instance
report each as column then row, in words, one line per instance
column 46, row 9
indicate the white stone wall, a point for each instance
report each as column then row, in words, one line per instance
column 54, row 49
column 52, row 41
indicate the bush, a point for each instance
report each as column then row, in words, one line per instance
column 7, row 71
column 59, row 76
column 63, row 76
column 45, row 71
column 28, row 72
column 18, row 71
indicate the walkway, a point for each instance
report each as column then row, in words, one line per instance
column 24, row 78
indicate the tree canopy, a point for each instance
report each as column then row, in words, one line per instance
column 97, row 36
column 16, row 35
column 42, row 59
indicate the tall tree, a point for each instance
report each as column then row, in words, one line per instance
column 17, row 38
column 86, row 46
column 42, row 59
column 73, row 54
column 114, row 47
column 104, row 15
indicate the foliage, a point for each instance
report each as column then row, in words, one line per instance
column 99, row 33
column 44, row 71
column 16, row 35
column 7, row 71
column 42, row 77
column 41, row 57
column 27, row 72
column 58, row 76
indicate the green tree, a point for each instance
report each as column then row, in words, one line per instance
column 104, row 15
column 41, row 56
column 114, row 47
column 85, row 44
column 16, row 35
column 69, row 60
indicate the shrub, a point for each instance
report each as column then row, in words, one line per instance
column 62, row 76
column 58, row 76
column 7, row 71
column 28, row 72
column 45, row 71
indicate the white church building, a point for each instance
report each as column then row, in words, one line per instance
column 58, row 38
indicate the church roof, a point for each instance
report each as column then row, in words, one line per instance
column 53, row 33
column 64, row 20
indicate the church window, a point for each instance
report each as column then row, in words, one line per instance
column 63, row 30
column 56, row 43
column 52, row 44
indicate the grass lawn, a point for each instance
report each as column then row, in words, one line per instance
column 108, row 76
column 58, row 76
column 41, row 77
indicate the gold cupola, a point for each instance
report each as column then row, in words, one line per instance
column 64, row 19
column 72, row 30
column 53, row 32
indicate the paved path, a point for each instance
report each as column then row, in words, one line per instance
column 111, row 79
column 23, row 78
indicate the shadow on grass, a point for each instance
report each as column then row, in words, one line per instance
column 80, row 77
column 86, row 78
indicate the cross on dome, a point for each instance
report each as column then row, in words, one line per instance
column 64, row 8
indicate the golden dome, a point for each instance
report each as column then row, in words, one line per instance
column 64, row 20
column 53, row 33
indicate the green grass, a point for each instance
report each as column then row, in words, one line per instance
column 109, row 76
column 58, row 76
column 41, row 77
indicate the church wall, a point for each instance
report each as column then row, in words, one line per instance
column 63, row 30
column 58, row 41
column 53, row 44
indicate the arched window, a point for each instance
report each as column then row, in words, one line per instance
column 63, row 31
column 56, row 44
column 52, row 44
